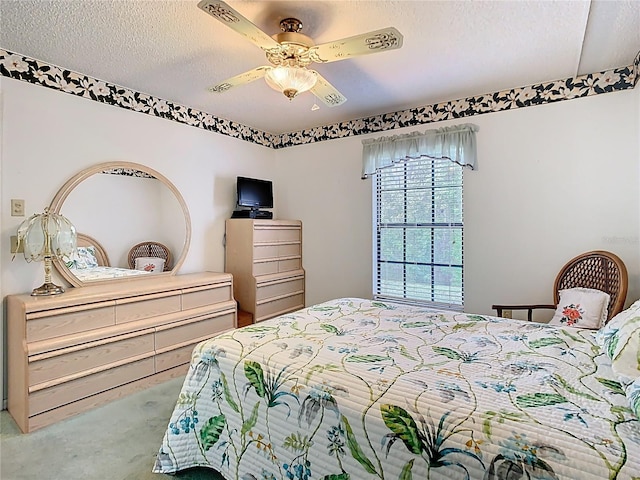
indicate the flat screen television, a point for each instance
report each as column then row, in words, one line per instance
column 254, row 193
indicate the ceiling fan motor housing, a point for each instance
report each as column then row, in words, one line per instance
column 293, row 49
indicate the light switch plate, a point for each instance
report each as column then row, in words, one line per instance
column 17, row 208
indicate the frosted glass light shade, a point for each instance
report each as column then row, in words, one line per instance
column 47, row 235
column 291, row 80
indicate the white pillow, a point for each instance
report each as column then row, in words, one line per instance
column 620, row 339
column 87, row 256
column 150, row 264
column 581, row 308
column 82, row 258
column 632, row 391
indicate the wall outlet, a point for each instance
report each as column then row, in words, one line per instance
column 17, row 208
column 14, row 245
column 507, row 314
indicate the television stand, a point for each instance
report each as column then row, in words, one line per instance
column 253, row 213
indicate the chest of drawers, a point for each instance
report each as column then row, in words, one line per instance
column 71, row 352
column 265, row 258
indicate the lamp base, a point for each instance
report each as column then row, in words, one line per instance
column 47, row 289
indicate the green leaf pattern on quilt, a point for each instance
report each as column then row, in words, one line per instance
column 612, row 385
column 354, row 448
column 253, row 372
column 403, row 427
column 354, row 389
column 211, row 431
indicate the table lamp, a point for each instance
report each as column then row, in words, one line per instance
column 46, row 236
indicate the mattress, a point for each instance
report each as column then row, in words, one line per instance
column 359, row 389
column 101, row 273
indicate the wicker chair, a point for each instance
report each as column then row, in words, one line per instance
column 597, row 269
column 150, row 249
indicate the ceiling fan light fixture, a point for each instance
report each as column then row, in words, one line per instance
column 290, row 52
column 291, row 80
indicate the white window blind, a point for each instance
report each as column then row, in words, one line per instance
column 419, row 232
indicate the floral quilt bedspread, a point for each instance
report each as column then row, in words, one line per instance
column 359, row 389
column 101, row 273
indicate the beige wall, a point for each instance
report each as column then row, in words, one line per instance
column 322, row 187
column 553, row 181
column 49, row 136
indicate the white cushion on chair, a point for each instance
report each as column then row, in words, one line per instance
column 150, row 264
column 581, row 308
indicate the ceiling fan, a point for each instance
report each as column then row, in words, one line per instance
column 291, row 52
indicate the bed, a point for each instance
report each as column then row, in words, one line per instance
column 91, row 262
column 359, row 389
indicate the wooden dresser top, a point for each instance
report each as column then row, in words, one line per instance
column 109, row 291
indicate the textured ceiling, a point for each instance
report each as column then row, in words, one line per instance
column 452, row 49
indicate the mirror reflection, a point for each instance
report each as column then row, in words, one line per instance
column 131, row 222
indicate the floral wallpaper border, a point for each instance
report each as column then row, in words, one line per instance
column 27, row 69
column 20, row 67
column 127, row 172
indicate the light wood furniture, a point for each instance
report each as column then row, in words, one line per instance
column 265, row 259
column 175, row 214
column 72, row 352
column 102, row 258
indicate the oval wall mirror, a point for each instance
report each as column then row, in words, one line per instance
column 116, row 206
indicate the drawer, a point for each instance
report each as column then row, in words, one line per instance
column 69, row 361
column 260, row 252
column 290, row 249
column 279, row 306
column 275, row 250
column 279, row 288
column 265, row 268
column 52, row 397
column 152, row 307
column 174, row 358
column 276, row 266
column 276, row 234
column 200, row 297
column 193, row 329
column 289, row 264
column 65, row 321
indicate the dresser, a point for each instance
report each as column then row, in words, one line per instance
column 265, row 259
column 90, row 345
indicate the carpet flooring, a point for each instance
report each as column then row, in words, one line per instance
column 118, row 441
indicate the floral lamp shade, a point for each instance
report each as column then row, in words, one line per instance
column 45, row 236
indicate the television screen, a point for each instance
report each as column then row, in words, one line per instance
column 254, row 193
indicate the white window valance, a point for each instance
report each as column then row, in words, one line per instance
column 457, row 143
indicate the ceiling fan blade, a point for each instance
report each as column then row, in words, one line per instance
column 364, row 44
column 327, row 92
column 231, row 18
column 242, row 79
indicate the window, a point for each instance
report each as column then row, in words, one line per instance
column 418, row 233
